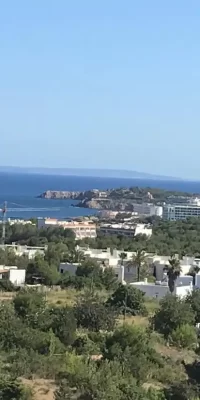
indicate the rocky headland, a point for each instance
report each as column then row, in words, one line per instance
column 58, row 194
column 108, row 204
column 121, row 199
column 55, row 194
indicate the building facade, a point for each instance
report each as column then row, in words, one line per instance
column 81, row 229
column 125, row 229
column 160, row 290
column 29, row 251
column 148, row 209
column 178, row 211
column 71, row 269
column 13, row 274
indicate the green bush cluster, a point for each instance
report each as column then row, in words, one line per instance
column 88, row 353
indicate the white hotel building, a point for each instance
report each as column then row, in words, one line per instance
column 81, row 229
column 181, row 211
column 126, row 229
column 148, row 209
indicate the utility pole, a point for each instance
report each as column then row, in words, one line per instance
column 4, row 210
column 92, row 283
column 125, row 303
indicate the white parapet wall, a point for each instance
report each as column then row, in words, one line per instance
column 71, row 269
column 160, row 290
column 17, row 276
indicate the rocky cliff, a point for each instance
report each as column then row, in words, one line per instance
column 90, row 199
column 119, row 199
column 75, row 195
column 108, row 204
column 50, row 194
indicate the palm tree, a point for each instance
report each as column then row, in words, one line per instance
column 173, row 271
column 194, row 270
column 75, row 256
column 122, row 256
column 140, row 261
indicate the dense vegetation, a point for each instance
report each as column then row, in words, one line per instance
column 169, row 237
column 108, row 341
column 142, row 194
column 182, row 237
column 90, row 354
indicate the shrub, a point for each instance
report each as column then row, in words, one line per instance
column 130, row 346
column 12, row 389
column 181, row 391
column 29, row 304
column 63, row 324
column 28, row 363
column 84, row 345
column 194, row 300
column 128, row 299
column 6, row 286
column 172, row 313
column 94, row 315
column 184, row 336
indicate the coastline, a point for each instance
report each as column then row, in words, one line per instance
column 22, row 193
column 119, row 199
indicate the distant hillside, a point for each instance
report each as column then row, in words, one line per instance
column 104, row 173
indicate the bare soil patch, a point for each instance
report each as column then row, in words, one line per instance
column 43, row 389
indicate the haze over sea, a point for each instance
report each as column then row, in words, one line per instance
column 21, row 191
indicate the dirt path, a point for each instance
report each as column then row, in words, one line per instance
column 43, row 389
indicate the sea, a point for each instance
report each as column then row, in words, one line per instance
column 20, row 191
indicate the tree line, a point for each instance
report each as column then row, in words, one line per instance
column 168, row 237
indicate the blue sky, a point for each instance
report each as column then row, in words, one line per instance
column 101, row 84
